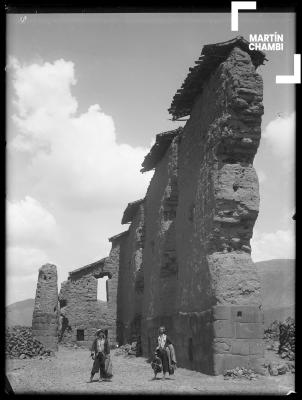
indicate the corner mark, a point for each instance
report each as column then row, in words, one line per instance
column 240, row 5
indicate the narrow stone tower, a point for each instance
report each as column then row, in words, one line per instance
column 46, row 315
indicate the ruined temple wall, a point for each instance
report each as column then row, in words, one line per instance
column 159, row 258
column 82, row 310
column 218, row 200
column 217, row 208
column 45, row 315
column 130, row 289
column 218, row 189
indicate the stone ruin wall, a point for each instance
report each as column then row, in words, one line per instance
column 80, row 309
column 185, row 261
column 215, row 320
column 131, row 281
column 159, row 259
column 46, row 314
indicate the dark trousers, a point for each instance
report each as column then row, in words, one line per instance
column 162, row 354
column 99, row 365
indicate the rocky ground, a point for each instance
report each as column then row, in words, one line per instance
column 68, row 372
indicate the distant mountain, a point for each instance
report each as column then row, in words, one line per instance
column 278, row 289
column 20, row 313
column 278, row 294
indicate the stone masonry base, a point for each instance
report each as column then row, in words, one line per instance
column 214, row 340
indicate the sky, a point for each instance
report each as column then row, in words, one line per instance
column 86, row 95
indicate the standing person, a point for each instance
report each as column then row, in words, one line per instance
column 165, row 351
column 100, row 353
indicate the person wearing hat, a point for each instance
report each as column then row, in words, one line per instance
column 165, row 352
column 100, row 353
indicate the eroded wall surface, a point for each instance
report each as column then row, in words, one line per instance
column 159, row 258
column 217, row 205
column 45, row 314
column 131, row 281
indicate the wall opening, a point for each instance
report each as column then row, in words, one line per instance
column 80, row 335
column 102, row 290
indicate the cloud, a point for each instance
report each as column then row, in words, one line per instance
column 273, row 245
column 24, row 262
column 27, row 222
column 69, row 176
column 76, row 160
column 279, row 135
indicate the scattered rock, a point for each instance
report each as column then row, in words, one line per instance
column 291, row 366
column 287, row 339
column 277, row 368
column 240, row 373
column 282, row 369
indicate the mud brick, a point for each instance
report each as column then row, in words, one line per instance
column 223, row 328
column 257, row 347
column 240, row 347
column 247, row 314
column 249, row 330
column 221, row 312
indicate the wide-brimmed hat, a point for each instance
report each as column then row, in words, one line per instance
column 99, row 331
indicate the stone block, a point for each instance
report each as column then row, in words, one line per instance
column 240, row 347
column 221, row 345
column 257, row 347
column 223, row 328
column 222, row 362
column 218, row 364
column 221, row 312
column 249, row 330
column 232, row 361
column 256, row 363
column 247, row 314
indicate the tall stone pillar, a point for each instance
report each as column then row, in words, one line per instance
column 46, row 315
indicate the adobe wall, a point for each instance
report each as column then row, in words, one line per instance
column 131, row 281
column 212, row 313
column 159, row 258
column 45, row 314
column 80, row 308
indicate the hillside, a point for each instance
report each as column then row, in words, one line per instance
column 20, row 313
column 278, row 288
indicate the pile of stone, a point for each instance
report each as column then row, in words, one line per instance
column 127, row 349
column 287, row 339
column 277, row 368
column 240, row 373
column 20, row 343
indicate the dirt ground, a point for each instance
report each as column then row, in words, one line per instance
column 69, row 371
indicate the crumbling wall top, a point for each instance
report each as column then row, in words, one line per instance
column 131, row 210
column 158, row 150
column 119, row 236
column 86, row 268
column 211, row 56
